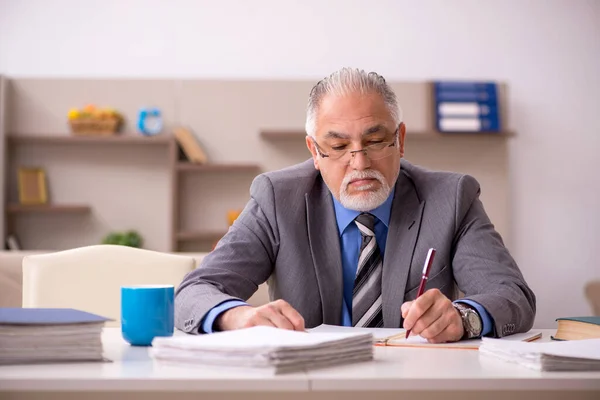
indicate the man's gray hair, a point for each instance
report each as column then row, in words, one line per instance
column 350, row 80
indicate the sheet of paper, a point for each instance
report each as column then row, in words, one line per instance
column 378, row 333
column 463, row 344
column 381, row 336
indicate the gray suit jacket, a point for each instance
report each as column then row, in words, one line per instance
column 287, row 234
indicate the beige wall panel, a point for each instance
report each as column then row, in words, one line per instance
column 484, row 158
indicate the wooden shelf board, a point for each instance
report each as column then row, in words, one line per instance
column 296, row 135
column 282, row 135
column 71, row 139
column 191, row 167
column 48, row 208
column 446, row 135
column 189, row 236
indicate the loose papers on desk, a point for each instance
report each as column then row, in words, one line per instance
column 265, row 347
column 575, row 355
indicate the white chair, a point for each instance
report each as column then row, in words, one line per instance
column 90, row 278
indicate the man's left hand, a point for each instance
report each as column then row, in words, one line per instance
column 433, row 317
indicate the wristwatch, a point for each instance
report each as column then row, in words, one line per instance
column 470, row 319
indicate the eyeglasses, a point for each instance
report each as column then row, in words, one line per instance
column 375, row 151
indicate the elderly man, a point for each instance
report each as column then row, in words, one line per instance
column 342, row 237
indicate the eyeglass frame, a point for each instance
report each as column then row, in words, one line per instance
column 353, row 152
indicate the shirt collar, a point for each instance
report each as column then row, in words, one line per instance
column 345, row 216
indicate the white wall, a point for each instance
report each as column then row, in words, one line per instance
column 547, row 51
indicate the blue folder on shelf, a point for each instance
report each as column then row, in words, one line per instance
column 466, row 106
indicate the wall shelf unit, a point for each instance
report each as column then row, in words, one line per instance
column 103, row 183
column 67, row 139
column 175, row 164
column 191, row 167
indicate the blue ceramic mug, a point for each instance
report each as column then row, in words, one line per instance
column 147, row 311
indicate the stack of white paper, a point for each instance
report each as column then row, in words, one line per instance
column 576, row 355
column 264, row 347
column 41, row 335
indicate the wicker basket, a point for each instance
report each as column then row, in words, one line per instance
column 95, row 126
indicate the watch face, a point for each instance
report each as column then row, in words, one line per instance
column 474, row 322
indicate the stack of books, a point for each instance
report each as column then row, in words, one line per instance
column 266, row 348
column 466, row 106
column 47, row 335
column 577, row 355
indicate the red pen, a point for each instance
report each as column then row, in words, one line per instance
column 425, row 276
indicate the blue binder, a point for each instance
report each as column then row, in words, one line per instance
column 466, row 106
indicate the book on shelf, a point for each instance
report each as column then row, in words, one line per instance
column 46, row 335
column 577, row 328
column 190, row 145
column 463, row 106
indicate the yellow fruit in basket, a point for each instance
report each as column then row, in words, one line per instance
column 73, row 113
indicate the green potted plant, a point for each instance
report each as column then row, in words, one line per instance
column 129, row 238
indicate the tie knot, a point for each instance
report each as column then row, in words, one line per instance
column 366, row 224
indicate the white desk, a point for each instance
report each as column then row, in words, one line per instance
column 418, row 373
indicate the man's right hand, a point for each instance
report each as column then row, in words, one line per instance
column 277, row 313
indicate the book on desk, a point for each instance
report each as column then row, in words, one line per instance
column 42, row 335
column 577, row 328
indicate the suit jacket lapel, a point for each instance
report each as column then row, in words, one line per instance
column 405, row 222
column 324, row 243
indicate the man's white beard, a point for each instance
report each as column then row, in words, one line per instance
column 363, row 200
